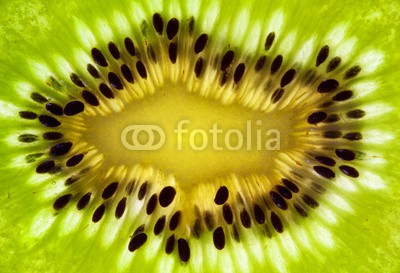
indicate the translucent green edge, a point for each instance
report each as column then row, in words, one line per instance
column 374, row 248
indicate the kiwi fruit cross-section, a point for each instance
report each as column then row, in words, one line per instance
column 199, row 136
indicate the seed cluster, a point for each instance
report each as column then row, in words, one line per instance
column 230, row 216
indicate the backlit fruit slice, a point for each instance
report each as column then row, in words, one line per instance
column 205, row 136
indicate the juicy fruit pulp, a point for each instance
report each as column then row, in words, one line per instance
column 139, row 212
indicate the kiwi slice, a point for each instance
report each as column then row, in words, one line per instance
column 199, row 136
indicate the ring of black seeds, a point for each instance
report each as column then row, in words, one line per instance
column 284, row 196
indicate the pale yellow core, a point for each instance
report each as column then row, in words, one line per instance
column 204, row 139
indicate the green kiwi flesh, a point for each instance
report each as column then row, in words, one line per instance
column 317, row 192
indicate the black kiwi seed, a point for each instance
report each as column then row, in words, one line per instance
column 235, row 232
column 353, row 136
column 54, row 108
column 198, row 67
column 99, row 58
column 276, row 64
column 90, row 98
column 332, row 134
column 170, row 245
column 221, row 196
column 209, row 220
column 322, row 55
column 175, row 220
column 197, row 228
column 277, row 95
column 73, row 108
column 55, row 170
column 138, row 230
column 129, row 46
column 115, row 81
column 137, row 241
column 278, row 200
column 167, row 195
column 106, row 91
column 93, row 71
column 258, row 214
column 76, row 80
column 310, row 201
column 141, row 69
column 302, row 212
column 317, row 117
column 151, row 54
column 74, row 160
column 349, row 171
column 245, row 218
column 224, row 78
column 276, row 222
column 345, row 154
column 129, row 187
column 269, row 40
column 98, row 213
column 27, row 138
column 71, row 180
column 352, row 72
column 201, row 43
column 227, row 60
column 60, row 149
column 120, row 209
column 332, row 118
column 327, row 104
column 183, row 250
column 151, row 205
column 159, row 226
column 30, row 158
column 38, row 97
column 158, row 23
column 285, row 192
column 127, row 73
column 62, row 201
column 324, row 172
column 219, row 238
column 267, row 232
column 333, row 64
column 84, row 201
column 109, row 190
column 317, row 187
column 355, row 114
column 239, row 71
column 342, row 96
column 173, row 52
column 114, row 50
column 288, row 77
column 172, row 28
column 191, row 26
column 227, row 214
column 260, row 63
column 27, row 115
column 142, row 191
column 328, row 86
column 290, row 185
column 325, row 160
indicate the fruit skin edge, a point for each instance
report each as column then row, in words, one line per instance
column 376, row 250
